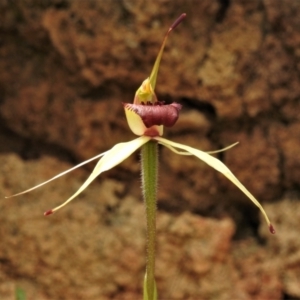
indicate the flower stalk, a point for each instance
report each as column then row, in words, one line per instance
column 149, row 172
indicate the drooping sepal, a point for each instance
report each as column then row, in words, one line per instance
column 217, row 165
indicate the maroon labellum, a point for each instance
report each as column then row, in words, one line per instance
column 156, row 114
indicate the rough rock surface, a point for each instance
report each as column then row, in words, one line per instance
column 66, row 67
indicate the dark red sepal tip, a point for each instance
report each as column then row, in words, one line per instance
column 177, row 21
column 272, row 229
column 48, row 212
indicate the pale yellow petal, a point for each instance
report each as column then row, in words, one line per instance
column 223, row 149
column 209, row 152
column 219, row 166
column 176, row 151
column 57, row 176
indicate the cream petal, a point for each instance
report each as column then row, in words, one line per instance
column 113, row 157
column 209, row 152
column 223, row 149
column 176, row 151
column 59, row 175
column 219, row 166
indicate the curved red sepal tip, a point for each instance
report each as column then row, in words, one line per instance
column 48, row 212
column 271, row 228
column 178, row 21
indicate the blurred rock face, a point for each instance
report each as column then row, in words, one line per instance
column 66, row 66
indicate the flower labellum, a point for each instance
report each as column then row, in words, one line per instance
column 156, row 114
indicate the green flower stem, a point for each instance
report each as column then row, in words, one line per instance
column 149, row 165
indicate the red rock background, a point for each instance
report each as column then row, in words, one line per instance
column 65, row 68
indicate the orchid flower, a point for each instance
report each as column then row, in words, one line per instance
column 146, row 118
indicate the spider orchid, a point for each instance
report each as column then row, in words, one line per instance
column 146, row 118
